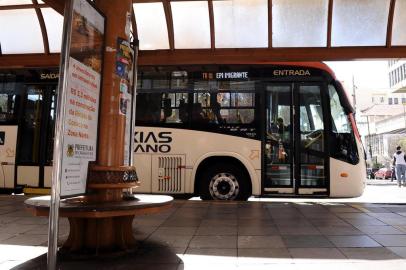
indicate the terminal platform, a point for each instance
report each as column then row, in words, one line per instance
column 235, row 235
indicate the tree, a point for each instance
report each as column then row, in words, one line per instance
column 402, row 143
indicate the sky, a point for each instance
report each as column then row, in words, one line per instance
column 369, row 77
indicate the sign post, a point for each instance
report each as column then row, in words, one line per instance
column 77, row 108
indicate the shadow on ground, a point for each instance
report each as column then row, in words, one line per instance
column 151, row 255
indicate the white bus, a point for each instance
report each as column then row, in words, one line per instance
column 220, row 132
column 231, row 131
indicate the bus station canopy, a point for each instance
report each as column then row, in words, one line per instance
column 222, row 31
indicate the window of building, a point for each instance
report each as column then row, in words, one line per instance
column 404, row 101
column 396, row 101
column 390, row 101
column 381, row 99
column 391, row 78
column 403, row 67
column 396, row 76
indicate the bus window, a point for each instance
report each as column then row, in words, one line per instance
column 238, row 116
column 225, row 108
column 51, row 129
column 317, row 116
column 31, row 126
column 224, row 99
column 10, row 96
column 342, row 142
column 162, row 108
column 340, row 123
column 174, row 108
column 205, row 108
column 148, row 108
column 242, row 99
column 8, row 110
column 304, row 120
column 311, row 118
column 312, row 157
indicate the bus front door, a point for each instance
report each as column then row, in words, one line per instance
column 295, row 160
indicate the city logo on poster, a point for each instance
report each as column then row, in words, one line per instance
column 70, row 152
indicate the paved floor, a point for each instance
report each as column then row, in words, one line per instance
column 246, row 235
column 377, row 191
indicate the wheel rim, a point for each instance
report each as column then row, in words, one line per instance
column 224, row 186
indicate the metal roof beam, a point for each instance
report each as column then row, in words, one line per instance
column 26, row 6
column 211, row 18
column 390, row 23
column 29, row 60
column 269, row 23
column 43, row 27
column 329, row 22
column 225, row 56
column 58, row 5
column 169, row 23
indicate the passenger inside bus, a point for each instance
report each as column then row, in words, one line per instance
column 149, row 108
column 215, row 107
column 278, row 131
column 278, row 137
column 183, row 111
column 198, row 115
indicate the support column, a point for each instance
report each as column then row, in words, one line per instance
column 111, row 232
column 108, row 176
column 112, row 124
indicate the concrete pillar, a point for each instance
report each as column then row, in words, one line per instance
column 108, row 177
column 112, row 123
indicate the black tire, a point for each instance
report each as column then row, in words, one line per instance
column 224, row 181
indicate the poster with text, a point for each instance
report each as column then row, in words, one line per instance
column 82, row 95
column 124, row 69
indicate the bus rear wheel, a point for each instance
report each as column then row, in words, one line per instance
column 224, row 182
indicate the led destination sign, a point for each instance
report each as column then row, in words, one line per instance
column 225, row 75
column 244, row 75
column 232, row 75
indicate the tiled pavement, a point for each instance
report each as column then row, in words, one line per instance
column 245, row 235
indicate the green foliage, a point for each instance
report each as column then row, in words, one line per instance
column 402, row 143
column 377, row 165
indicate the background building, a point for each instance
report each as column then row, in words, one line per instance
column 384, row 122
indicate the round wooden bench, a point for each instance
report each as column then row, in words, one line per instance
column 100, row 228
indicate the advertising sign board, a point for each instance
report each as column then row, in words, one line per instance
column 83, row 82
column 124, row 69
column 78, row 108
